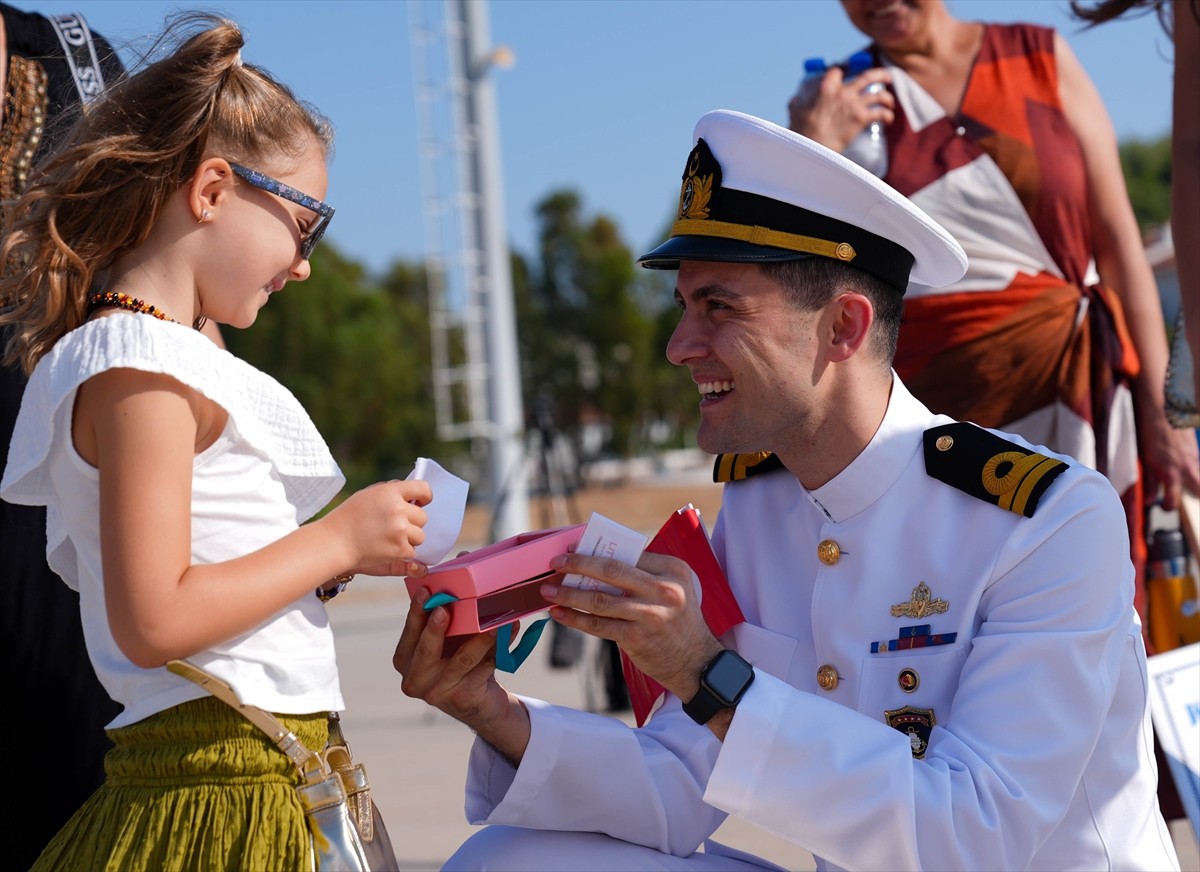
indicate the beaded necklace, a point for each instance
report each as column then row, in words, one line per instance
column 124, row 301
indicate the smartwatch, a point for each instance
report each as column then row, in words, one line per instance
column 722, row 685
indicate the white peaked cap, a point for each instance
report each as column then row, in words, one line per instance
column 755, row 192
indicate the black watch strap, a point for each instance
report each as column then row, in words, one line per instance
column 722, row 684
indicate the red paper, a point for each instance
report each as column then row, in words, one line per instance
column 684, row 536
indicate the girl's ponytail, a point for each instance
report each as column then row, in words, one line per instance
column 98, row 196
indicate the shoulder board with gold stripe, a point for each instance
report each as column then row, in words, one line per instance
column 986, row 466
column 735, row 467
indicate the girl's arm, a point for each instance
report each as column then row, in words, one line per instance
column 143, row 431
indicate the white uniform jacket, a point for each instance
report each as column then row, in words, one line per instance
column 1010, row 732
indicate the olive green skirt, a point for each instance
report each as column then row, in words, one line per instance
column 196, row 787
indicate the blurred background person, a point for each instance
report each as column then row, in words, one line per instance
column 49, row 66
column 42, row 637
column 1056, row 331
column 1181, row 20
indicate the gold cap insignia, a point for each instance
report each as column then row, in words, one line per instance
column 701, row 179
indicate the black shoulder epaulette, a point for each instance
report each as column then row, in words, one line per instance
column 986, row 466
column 735, row 467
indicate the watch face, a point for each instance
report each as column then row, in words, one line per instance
column 728, row 676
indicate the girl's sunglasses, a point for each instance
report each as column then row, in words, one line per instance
column 323, row 211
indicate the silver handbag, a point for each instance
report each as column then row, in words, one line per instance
column 344, row 824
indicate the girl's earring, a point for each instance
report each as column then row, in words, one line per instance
column 203, row 217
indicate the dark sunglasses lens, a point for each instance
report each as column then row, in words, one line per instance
column 310, row 241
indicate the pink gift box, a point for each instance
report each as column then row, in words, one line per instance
column 501, row 583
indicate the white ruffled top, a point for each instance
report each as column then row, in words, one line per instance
column 267, row 473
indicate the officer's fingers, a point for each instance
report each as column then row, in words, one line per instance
column 615, row 573
column 664, row 566
column 589, row 622
column 424, row 665
column 596, row 602
column 414, row 625
column 463, row 675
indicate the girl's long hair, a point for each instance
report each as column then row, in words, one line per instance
column 98, row 195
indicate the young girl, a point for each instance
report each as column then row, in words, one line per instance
column 176, row 477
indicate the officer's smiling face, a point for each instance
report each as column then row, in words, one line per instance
column 750, row 353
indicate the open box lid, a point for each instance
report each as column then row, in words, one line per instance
column 499, row 566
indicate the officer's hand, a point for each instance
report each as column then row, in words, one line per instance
column 458, row 676
column 657, row 622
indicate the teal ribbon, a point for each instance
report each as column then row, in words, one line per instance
column 508, row 658
column 511, row 660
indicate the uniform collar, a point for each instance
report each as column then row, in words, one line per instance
column 878, row 467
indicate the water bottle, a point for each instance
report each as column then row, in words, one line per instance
column 869, row 148
column 814, row 72
column 1173, row 604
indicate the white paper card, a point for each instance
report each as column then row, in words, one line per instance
column 1175, row 710
column 604, row 537
column 445, row 513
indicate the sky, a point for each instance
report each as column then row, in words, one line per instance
column 601, row 98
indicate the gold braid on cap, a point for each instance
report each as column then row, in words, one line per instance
column 756, row 235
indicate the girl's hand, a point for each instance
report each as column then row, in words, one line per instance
column 382, row 526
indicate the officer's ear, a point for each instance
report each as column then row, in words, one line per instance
column 849, row 319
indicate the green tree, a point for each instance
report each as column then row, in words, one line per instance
column 356, row 355
column 591, row 338
column 1147, row 168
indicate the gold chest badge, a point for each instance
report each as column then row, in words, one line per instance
column 921, row 604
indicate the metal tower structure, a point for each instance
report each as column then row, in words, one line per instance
column 476, row 371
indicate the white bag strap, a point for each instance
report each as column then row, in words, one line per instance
column 80, row 52
column 284, row 739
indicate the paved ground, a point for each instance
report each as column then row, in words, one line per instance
column 416, row 757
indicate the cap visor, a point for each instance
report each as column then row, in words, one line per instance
column 677, row 248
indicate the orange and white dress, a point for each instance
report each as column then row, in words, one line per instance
column 1028, row 341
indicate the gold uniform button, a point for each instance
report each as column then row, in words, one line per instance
column 829, row 552
column 944, row 443
column 827, row 677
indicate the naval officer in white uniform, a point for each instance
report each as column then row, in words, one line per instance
column 940, row 665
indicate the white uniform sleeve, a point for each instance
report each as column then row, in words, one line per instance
column 590, row 772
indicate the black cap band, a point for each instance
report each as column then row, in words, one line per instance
column 725, row 224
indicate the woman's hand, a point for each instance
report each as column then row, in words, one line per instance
column 837, row 111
